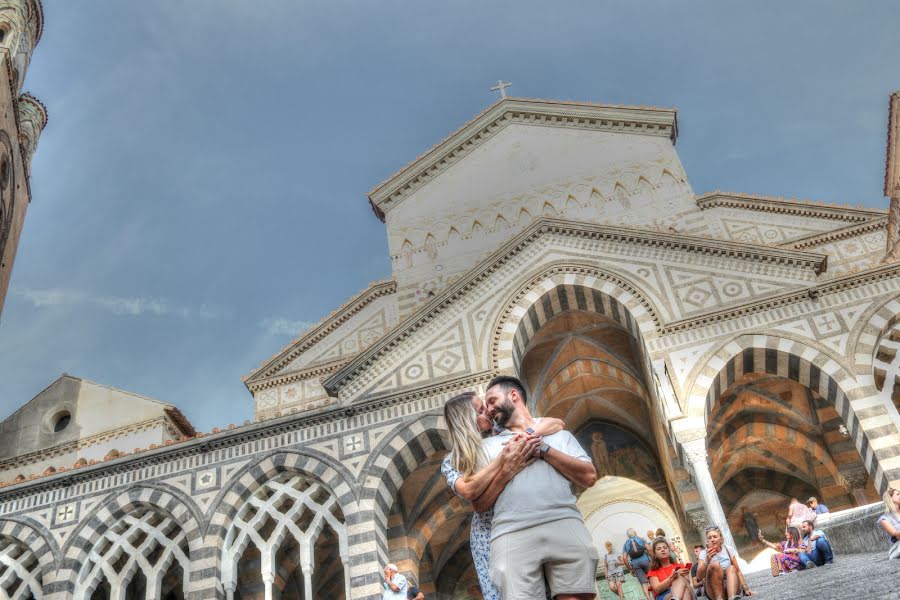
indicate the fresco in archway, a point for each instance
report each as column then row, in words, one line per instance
column 619, row 453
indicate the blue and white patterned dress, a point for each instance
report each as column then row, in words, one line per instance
column 479, row 537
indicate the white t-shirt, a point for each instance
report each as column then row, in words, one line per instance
column 721, row 556
column 539, row 493
column 389, row 594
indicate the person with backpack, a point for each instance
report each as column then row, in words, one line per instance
column 635, row 554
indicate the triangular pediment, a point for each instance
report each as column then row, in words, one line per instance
column 510, row 111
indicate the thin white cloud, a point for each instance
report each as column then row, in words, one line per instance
column 118, row 305
column 278, row 326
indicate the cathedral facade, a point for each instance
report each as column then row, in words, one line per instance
column 715, row 354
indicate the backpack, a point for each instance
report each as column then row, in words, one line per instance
column 636, row 548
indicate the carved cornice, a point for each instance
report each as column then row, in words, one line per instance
column 817, row 239
column 234, row 437
column 788, row 206
column 838, row 284
column 320, row 331
column 318, row 370
column 544, row 226
column 598, row 117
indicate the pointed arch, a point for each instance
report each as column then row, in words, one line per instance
column 524, row 216
column 558, row 288
column 812, row 368
column 397, row 455
column 168, row 518
column 27, row 559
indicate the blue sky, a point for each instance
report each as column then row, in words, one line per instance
column 199, row 192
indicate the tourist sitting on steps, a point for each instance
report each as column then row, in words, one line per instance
column 635, row 555
column 673, row 551
column 668, row 580
column 614, row 571
column 816, row 549
column 695, row 582
column 890, row 520
column 787, row 558
column 719, row 569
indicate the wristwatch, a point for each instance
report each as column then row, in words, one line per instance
column 545, row 448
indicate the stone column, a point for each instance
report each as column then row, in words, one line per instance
column 269, row 581
column 695, row 454
column 229, row 586
column 345, row 560
column 307, row 581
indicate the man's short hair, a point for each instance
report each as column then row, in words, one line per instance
column 810, row 523
column 391, row 567
column 508, row 382
column 698, row 547
column 630, row 532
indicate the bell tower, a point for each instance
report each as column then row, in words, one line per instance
column 22, row 118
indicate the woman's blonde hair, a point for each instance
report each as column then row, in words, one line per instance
column 889, row 505
column 465, row 437
column 608, row 545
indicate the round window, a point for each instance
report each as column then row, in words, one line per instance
column 61, row 421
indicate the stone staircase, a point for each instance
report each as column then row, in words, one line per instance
column 852, row 576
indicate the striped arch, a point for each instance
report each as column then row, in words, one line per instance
column 762, row 435
column 877, row 356
column 749, row 480
column 388, row 466
column 879, row 322
column 26, row 556
column 866, row 421
column 249, row 479
column 122, row 506
column 559, row 290
column 416, row 541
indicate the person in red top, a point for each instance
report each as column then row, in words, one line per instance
column 668, row 580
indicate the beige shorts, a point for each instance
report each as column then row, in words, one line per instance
column 560, row 551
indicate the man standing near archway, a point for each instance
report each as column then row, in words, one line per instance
column 538, row 537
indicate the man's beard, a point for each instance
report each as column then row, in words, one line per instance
column 504, row 413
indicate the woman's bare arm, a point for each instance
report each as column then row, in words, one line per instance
column 473, row 486
column 549, row 426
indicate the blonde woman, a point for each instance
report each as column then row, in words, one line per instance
column 467, row 423
column 890, row 520
column 614, row 570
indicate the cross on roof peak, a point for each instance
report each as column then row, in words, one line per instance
column 501, row 87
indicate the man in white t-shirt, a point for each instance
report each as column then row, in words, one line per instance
column 394, row 584
column 538, row 537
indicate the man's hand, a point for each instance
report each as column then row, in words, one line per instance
column 519, row 453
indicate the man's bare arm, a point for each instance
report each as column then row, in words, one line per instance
column 580, row 472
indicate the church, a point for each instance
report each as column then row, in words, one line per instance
column 716, row 354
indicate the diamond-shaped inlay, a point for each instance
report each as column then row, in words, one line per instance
column 447, row 361
column 697, row 296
